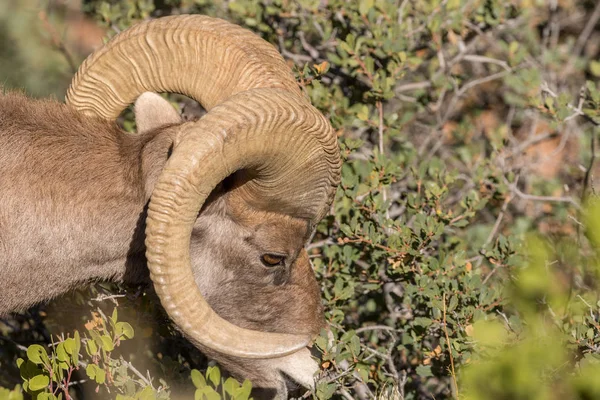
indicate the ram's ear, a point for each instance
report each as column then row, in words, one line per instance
column 152, row 112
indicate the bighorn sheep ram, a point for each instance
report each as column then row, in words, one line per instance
column 216, row 210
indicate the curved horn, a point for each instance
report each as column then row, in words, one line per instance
column 257, row 116
column 204, row 58
column 253, row 130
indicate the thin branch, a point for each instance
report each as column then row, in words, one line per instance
column 138, row 373
column 381, row 127
column 56, row 41
column 102, row 297
column 587, row 31
column 480, row 81
column 588, row 171
column 377, row 328
column 320, row 243
column 530, row 142
column 314, row 53
column 554, row 199
column 297, row 58
column 506, row 321
column 449, row 344
column 493, row 234
column 412, row 86
column 470, row 85
column 17, row 345
column 577, row 111
column 345, row 394
column 340, row 375
column 489, row 60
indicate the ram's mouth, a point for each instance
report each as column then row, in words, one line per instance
column 294, row 389
column 297, row 370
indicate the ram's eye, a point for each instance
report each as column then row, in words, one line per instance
column 272, row 260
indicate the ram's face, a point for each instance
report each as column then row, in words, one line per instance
column 254, row 272
column 252, row 268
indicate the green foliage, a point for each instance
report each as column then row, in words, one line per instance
column 48, row 374
column 29, row 58
column 121, row 14
column 458, row 260
column 211, row 386
column 14, row 394
column 550, row 352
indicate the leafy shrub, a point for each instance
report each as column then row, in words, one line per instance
column 464, row 126
column 48, row 375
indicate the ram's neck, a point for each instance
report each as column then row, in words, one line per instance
column 71, row 206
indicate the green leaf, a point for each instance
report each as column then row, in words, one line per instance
column 38, row 382
column 90, row 370
column 107, row 343
column 28, row 369
column 453, row 303
column 61, row 353
column 363, row 371
column 325, row 390
column 244, row 391
column 100, row 376
column 346, row 47
column 124, row 329
column 230, row 386
column 70, row 345
column 214, row 375
column 146, row 394
column 91, row 347
column 97, row 338
column 355, row 345
column 363, row 113
column 37, row 354
column 207, row 393
column 321, row 342
column 76, row 346
column 364, row 6
column 595, row 68
column 77, row 339
column 453, row 4
column 353, row 143
column 422, row 321
column 198, row 379
column 115, row 316
column 424, row 371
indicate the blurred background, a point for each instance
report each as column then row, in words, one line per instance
column 43, row 43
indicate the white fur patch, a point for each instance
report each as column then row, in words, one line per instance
column 300, row 367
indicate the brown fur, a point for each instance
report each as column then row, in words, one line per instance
column 72, row 197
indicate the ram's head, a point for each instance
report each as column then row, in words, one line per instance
column 239, row 195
